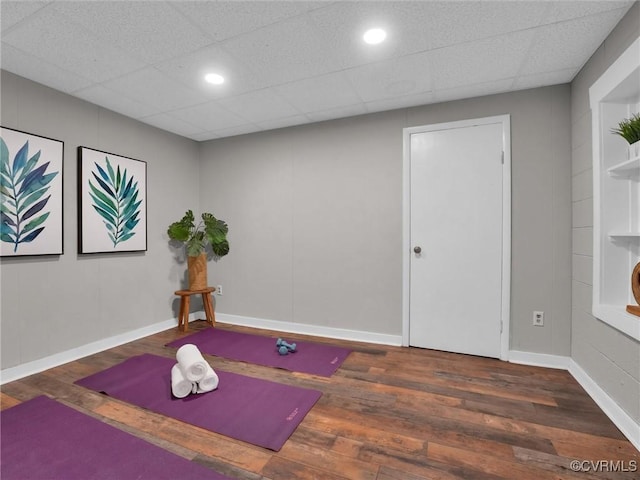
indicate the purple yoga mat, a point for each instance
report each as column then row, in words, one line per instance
column 256, row 411
column 42, row 439
column 313, row 358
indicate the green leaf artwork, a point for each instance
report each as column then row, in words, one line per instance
column 115, row 198
column 23, row 185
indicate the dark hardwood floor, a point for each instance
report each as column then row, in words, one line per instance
column 389, row 413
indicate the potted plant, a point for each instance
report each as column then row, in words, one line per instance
column 210, row 231
column 629, row 129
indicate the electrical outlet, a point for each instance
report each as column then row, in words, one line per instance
column 219, row 290
column 538, row 319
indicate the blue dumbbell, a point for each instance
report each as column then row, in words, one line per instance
column 283, row 350
column 291, row 347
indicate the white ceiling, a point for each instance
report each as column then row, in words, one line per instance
column 293, row 62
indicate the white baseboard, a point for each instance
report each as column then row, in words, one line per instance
column 627, row 425
column 41, row 364
column 36, row 366
column 539, row 359
column 317, row 330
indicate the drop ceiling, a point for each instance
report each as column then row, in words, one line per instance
column 294, row 62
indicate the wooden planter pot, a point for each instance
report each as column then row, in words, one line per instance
column 197, row 272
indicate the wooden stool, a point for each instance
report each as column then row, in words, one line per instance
column 185, row 298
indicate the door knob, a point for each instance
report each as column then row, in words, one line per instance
column 417, row 249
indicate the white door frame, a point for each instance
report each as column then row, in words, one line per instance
column 505, row 120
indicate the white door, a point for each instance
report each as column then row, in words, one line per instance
column 456, row 238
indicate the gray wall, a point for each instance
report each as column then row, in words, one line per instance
column 52, row 304
column 315, row 215
column 608, row 356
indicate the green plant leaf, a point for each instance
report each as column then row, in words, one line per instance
column 5, row 191
column 32, row 236
column 181, row 230
column 107, row 200
column 107, row 217
column 210, row 231
column 23, row 183
column 220, row 248
column 35, row 208
column 106, row 186
column 32, row 177
column 21, row 158
column 112, row 175
column 32, row 198
column 115, row 201
column 104, row 205
column 195, row 247
column 4, row 158
column 629, row 129
column 36, row 222
column 8, row 211
column 127, row 236
column 33, row 161
column 39, row 183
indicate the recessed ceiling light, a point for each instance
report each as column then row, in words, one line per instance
column 374, row 36
column 214, row 78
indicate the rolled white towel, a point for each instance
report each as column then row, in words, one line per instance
column 209, row 381
column 192, row 364
column 180, row 386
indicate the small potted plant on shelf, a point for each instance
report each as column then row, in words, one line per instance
column 629, row 129
column 210, row 231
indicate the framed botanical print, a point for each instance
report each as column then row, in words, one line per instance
column 31, row 208
column 112, row 196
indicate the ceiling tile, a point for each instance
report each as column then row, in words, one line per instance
column 392, row 78
column 338, row 112
column 239, row 130
column 150, row 34
column 478, row 62
column 284, row 122
column 171, row 123
column 259, row 106
column 150, row 87
column 341, row 25
column 33, row 68
column 52, row 37
column 572, row 42
column 477, row 90
column 424, row 98
column 13, row 12
column 209, row 116
column 223, row 20
column 124, row 104
column 452, row 23
column 559, row 11
column 201, row 137
column 320, row 93
column 190, row 70
column 286, row 51
column 547, row 78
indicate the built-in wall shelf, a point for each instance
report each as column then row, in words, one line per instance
column 624, row 235
column 618, row 317
column 616, row 193
column 627, row 168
